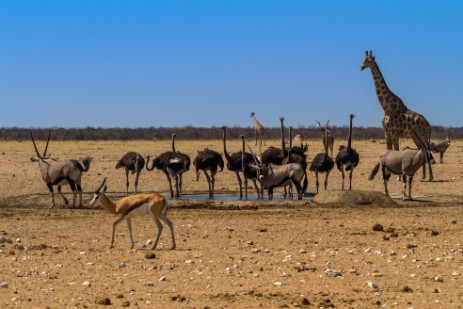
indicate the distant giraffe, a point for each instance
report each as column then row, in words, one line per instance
column 259, row 130
column 398, row 121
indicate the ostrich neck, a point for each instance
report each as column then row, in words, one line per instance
column 283, row 146
column 227, row 156
column 173, row 144
column 290, row 152
column 384, row 94
column 349, row 141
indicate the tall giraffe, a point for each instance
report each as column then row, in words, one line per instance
column 259, row 130
column 398, row 120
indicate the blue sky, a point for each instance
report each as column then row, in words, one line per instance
column 210, row 63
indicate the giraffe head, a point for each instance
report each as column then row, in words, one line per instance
column 368, row 60
column 252, row 114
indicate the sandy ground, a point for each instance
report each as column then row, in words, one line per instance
column 229, row 254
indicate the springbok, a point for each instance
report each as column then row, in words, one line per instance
column 59, row 173
column 152, row 204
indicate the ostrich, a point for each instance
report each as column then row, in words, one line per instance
column 273, row 154
column 347, row 158
column 173, row 164
column 322, row 163
column 133, row 162
column 235, row 162
column 208, row 160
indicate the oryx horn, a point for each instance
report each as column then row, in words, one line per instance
column 46, row 147
column 35, row 146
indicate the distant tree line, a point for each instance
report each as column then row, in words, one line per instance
column 193, row 133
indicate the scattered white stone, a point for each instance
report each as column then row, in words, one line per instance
column 82, row 253
column 456, row 274
column 413, row 275
column 372, row 285
column 277, row 283
column 189, row 262
column 353, row 271
column 122, row 265
column 256, row 250
column 148, row 302
column 250, row 242
column 4, row 285
column 87, row 284
column 367, row 250
column 302, row 251
column 392, row 253
column 149, row 242
column 285, row 275
column 162, row 279
column 288, row 258
column 90, row 263
column 439, row 259
column 18, row 240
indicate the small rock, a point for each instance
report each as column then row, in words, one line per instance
column 189, row 262
column 18, row 240
column 86, row 284
column 277, row 283
column 438, row 279
column 407, row 289
column 333, row 273
column 4, row 285
column 162, row 279
column 150, row 255
column 378, row 228
column 456, row 274
column 122, row 265
column 302, row 251
column 434, row 233
column 103, row 301
column 305, row 302
column 454, row 221
column 149, row 242
column 149, row 283
column 126, row 303
column 372, row 285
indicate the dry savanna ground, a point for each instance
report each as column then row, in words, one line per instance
column 354, row 250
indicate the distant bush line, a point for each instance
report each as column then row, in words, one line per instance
column 194, row 133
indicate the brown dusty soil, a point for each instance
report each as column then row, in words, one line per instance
column 346, row 250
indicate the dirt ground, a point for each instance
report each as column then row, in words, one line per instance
column 347, row 254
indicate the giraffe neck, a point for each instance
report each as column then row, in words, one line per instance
column 385, row 96
column 256, row 123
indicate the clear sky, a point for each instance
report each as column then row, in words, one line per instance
column 79, row 63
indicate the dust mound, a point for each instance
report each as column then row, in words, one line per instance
column 353, row 199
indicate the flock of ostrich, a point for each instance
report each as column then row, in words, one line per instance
column 274, row 167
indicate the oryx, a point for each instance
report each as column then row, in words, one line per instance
column 59, row 173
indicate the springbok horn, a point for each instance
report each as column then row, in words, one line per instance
column 327, row 123
column 35, row 146
column 46, row 147
column 366, row 53
column 101, row 186
column 371, row 53
column 319, row 124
